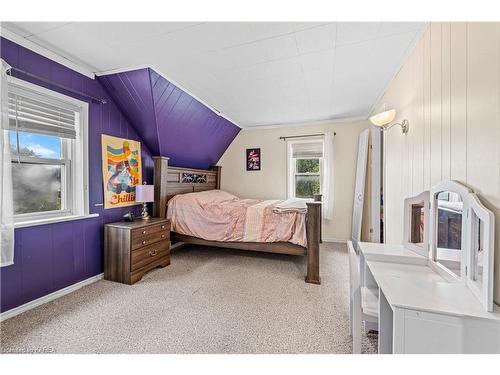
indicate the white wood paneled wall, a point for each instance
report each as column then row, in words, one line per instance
column 449, row 90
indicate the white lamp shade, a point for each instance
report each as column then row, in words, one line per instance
column 383, row 118
column 144, row 193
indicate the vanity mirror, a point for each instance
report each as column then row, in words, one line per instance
column 449, row 230
column 481, row 227
column 448, row 226
column 416, row 216
column 462, row 232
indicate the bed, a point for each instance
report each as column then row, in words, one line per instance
column 219, row 219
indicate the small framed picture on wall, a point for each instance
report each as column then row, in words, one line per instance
column 253, row 159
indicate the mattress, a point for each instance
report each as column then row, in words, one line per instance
column 216, row 215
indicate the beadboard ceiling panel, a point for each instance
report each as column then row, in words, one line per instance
column 256, row 73
column 170, row 121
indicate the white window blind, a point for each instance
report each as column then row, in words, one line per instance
column 38, row 116
column 48, row 134
column 306, row 150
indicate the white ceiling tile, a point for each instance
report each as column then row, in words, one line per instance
column 322, row 60
column 260, row 72
column 285, row 67
column 293, row 87
column 318, row 82
column 75, row 37
column 255, row 73
column 245, row 54
column 196, row 38
column 31, row 28
column 281, row 47
column 352, row 56
column 226, row 34
column 299, row 26
column 316, row 39
column 392, row 48
column 355, row 32
column 390, row 28
column 292, row 91
column 265, row 30
column 114, row 33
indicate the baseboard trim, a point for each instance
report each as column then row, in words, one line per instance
column 49, row 297
column 336, row 240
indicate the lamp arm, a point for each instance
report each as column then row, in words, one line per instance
column 404, row 126
column 390, row 126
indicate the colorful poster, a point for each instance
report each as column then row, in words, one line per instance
column 253, row 159
column 121, row 170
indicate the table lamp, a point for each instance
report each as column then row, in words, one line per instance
column 143, row 194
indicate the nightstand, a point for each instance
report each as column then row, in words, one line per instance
column 132, row 249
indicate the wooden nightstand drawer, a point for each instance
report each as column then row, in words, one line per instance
column 149, row 254
column 160, row 262
column 150, row 229
column 132, row 249
column 141, row 241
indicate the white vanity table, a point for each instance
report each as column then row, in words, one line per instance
column 420, row 311
column 435, row 291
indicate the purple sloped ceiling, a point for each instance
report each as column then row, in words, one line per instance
column 171, row 122
column 132, row 92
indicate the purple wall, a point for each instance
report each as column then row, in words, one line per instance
column 51, row 257
column 170, row 121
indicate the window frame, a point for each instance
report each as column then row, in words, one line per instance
column 292, row 167
column 74, row 158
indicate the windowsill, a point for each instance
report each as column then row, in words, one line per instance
column 52, row 220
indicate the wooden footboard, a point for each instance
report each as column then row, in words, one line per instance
column 313, row 230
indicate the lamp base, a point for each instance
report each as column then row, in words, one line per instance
column 145, row 214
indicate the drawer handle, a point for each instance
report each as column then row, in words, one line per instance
column 152, row 253
column 162, row 236
column 143, row 232
column 144, row 242
column 163, row 227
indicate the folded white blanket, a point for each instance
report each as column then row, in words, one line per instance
column 292, row 205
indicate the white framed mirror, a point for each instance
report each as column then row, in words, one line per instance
column 481, row 229
column 448, row 228
column 460, row 233
column 416, row 225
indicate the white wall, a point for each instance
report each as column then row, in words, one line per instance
column 271, row 181
column 449, row 90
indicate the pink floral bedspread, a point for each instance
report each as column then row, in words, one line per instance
column 215, row 215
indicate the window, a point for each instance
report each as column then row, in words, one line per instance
column 47, row 134
column 305, row 160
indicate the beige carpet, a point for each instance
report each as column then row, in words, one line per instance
column 207, row 301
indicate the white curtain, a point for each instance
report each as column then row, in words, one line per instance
column 327, row 183
column 6, row 198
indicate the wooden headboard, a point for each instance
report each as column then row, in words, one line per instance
column 170, row 181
